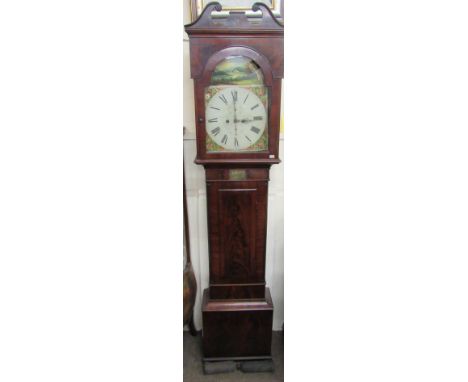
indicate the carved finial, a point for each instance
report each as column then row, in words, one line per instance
column 210, row 7
column 257, row 6
column 205, row 16
column 266, row 11
column 213, row 6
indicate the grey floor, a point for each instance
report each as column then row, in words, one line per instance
column 193, row 369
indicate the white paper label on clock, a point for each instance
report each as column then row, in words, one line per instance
column 235, row 118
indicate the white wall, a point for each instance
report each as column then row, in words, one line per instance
column 196, row 203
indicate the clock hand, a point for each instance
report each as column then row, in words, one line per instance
column 243, row 120
column 235, row 119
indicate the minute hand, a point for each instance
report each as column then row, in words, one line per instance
column 235, row 119
column 243, row 120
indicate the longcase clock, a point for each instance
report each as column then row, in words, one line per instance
column 237, row 68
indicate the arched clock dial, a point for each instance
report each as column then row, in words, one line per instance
column 235, row 118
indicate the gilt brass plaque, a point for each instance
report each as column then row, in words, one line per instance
column 237, row 174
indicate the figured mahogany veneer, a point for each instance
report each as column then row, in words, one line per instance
column 237, row 330
column 237, row 231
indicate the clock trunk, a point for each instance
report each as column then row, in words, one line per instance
column 237, row 226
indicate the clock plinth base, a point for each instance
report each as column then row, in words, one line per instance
column 237, row 329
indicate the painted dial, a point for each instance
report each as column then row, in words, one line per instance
column 235, row 118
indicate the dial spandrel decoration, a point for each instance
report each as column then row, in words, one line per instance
column 236, row 105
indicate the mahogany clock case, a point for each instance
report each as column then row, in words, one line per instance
column 237, row 309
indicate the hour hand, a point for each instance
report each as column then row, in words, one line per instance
column 245, row 120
